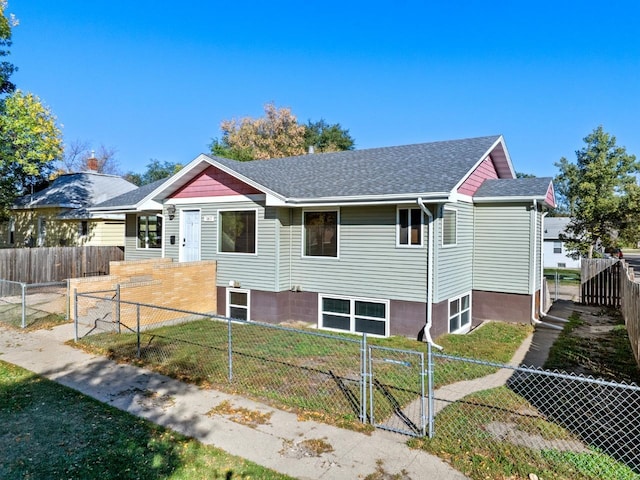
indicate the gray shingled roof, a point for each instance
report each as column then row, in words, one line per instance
column 132, row 197
column 422, row 168
column 76, row 191
column 553, row 226
column 517, row 187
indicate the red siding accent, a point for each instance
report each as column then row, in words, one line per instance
column 485, row 170
column 213, row 182
column 551, row 198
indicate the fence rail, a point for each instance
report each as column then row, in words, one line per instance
column 631, row 307
column 56, row 264
column 355, row 381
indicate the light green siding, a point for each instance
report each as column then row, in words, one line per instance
column 454, row 271
column 259, row 271
column 503, row 255
column 369, row 263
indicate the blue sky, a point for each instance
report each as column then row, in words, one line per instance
column 154, row 79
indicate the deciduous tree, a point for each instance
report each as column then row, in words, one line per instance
column 156, row 170
column 30, row 144
column 327, row 138
column 595, row 191
column 275, row 135
column 77, row 155
column 6, row 68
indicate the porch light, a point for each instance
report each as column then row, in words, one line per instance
column 171, row 211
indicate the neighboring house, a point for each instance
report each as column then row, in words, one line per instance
column 58, row 215
column 383, row 241
column 555, row 252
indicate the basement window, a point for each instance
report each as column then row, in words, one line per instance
column 460, row 314
column 355, row 315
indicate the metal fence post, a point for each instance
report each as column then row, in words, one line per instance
column 75, row 314
column 118, row 306
column 138, row 329
column 430, row 388
column 24, row 304
column 230, row 348
column 363, row 379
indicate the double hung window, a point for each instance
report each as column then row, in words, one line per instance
column 409, row 227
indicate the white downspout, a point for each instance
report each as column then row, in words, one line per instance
column 542, row 314
column 427, row 327
column 532, row 277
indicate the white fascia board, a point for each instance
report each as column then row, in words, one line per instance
column 515, row 199
column 369, row 200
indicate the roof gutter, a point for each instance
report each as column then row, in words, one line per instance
column 427, row 326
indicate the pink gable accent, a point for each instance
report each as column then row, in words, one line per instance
column 485, row 170
column 551, row 196
column 213, row 182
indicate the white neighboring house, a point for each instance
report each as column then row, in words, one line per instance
column 555, row 252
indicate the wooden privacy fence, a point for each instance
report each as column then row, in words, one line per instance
column 55, row 264
column 631, row 308
column 600, row 282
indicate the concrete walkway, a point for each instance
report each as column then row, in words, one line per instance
column 183, row 408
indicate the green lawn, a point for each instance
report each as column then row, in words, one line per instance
column 310, row 373
column 50, row 431
column 565, row 276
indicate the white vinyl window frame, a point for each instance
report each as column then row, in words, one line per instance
column 219, row 231
column 411, row 228
column 159, row 232
column 557, row 246
column 351, row 316
column 233, row 307
column 459, row 311
column 304, row 233
column 447, row 214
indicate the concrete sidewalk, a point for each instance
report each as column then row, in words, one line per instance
column 183, row 408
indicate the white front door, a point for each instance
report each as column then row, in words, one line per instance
column 189, row 235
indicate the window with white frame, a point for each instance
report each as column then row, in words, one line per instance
column 409, row 227
column 460, row 314
column 149, row 231
column 557, row 247
column 449, row 226
column 238, row 231
column 238, row 304
column 355, row 315
column 321, row 234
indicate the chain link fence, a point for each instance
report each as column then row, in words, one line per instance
column 454, row 407
column 545, row 418
column 26, row 305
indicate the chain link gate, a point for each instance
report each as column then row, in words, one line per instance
column 397, row 400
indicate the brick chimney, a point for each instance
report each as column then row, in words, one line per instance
column 92, row 162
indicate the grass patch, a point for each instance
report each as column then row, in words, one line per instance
column 308, row 372
column 468, row 438
column 565, row 276
column 50, row 431
column 605, row 354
